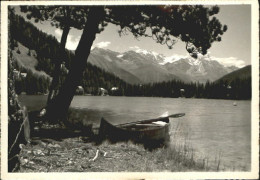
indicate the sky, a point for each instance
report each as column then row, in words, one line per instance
column 234, row 49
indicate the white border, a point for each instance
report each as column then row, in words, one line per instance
column 253, row 174
column 131, row 2
column 4, row 95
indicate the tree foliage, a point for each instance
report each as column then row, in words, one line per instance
column 58, row 16
column 194, row 25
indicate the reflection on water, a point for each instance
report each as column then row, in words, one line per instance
column 213, row 127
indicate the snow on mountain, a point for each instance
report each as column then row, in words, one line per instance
column 150, row 55
column 201, row 69
column 142, row 66
column 145, row 65
column 172, row 59
column 120, row 55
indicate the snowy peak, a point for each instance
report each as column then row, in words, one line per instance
column 149, row 55
column 147, row 66
column 172, row 59
column 120, row 55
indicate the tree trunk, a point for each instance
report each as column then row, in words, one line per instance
column 58, row 62
column 58, row 108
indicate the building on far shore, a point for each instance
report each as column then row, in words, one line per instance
column 114, row 88
column 23, row 75
column 102, row 92
column 182, row 93
column 79, row 90
column 18, row 74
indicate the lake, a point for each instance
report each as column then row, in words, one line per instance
column 214, row 128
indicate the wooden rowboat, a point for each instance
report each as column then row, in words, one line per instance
column 149, row 132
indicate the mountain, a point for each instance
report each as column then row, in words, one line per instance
column 132, row 67
column 242, row 74
column 201, row 69
column 145, row 65
column 108, row 61
column 142, row 66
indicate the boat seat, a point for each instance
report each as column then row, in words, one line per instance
column 161, row 123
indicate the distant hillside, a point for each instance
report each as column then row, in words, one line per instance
column 237, row 85
column 43, row 50
column 26, row 59
column 242, row 74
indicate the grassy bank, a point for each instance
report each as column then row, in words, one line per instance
column 75, row 155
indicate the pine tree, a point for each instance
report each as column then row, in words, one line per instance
column 63, row 17
column 194, row 25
